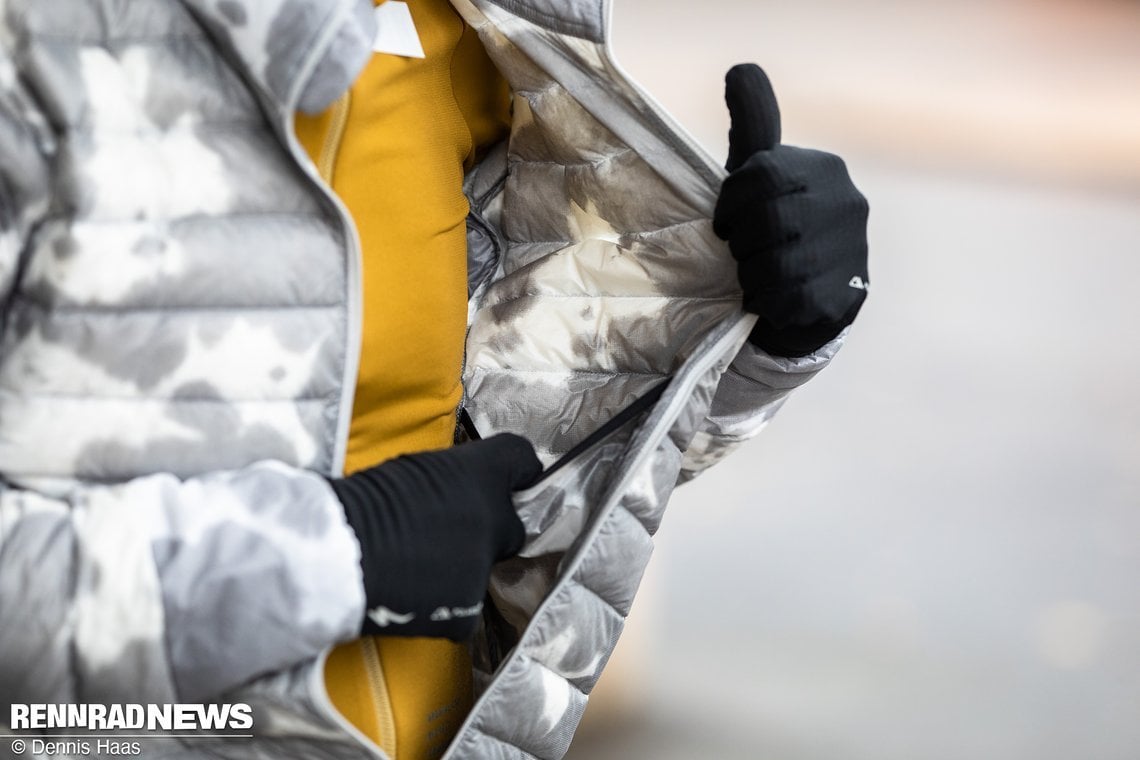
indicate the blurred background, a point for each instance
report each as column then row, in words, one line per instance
column 934, row 551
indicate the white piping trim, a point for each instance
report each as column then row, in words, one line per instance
column 679, row 393
column 655, row 107
column 354, row 309
column 321, row 699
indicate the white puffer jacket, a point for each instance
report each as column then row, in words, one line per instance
column 179, row 306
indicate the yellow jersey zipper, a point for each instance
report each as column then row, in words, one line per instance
column 381, row 701
column 334, row 135
column 373, row 671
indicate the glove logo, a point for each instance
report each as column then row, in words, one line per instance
column 384, row 617
column 858, row 283
column 444, row 613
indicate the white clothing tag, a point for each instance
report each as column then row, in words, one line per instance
column 396, row 32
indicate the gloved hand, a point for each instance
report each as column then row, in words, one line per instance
column 430, row 526
column 794, row 222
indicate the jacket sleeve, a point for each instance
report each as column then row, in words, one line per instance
column 750, row 393
column 161, row 590
column 158, row 589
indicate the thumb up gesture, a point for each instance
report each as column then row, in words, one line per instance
column 795, row 224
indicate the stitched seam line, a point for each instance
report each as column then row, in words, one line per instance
column 552, row 22
column 598, row 596
column 119, row 310
column 25, row 397
column 72, row 477
column 603, row 296
column 512, row 161
column 451, row 91
column 639, row 233
column 512, row 745
column 79, row 129
column 190, row 218
column 142, row 39
column 554, row 672
column 597, row 373
column 750, row 380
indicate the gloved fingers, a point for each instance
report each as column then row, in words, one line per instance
column 516, row 456
column 521, row 467
column 753, row 111
column 430, row 526
column 745, row 206
column 826, row 220
column 793, row 342
column 788, row 169
column 769, row 174
column 830, row 197
column 515, row 538
column 828, row 298
column 797, row 316
column 795, row 223
column 763, row 271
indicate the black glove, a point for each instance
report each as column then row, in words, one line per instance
column 794, row 222
column 430, row 526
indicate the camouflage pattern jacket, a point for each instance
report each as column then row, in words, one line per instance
column 179, row 305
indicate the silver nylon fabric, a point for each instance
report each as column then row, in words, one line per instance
column 164, row 533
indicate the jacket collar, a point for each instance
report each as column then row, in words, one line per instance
column 587, row 19
column 302, row 53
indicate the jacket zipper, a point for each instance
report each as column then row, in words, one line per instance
column 282, row 120
column 373, row 671
column 334, row 136
column 381, row 701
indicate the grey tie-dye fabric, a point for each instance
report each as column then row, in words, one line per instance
column 174, row 346
column 180, row 306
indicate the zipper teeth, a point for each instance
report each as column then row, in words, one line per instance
column 374, row 672
column 330, row 147
column 324, row 706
